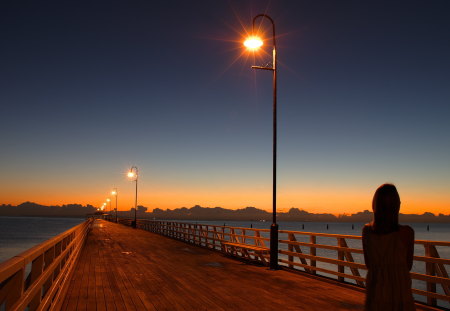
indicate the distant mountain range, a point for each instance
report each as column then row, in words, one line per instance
column 206, row 213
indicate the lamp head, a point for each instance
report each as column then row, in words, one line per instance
column 108, row 200
column 253, row 43
column 131, row 174
column 114, row 192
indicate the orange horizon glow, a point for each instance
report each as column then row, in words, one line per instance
column 313, row 201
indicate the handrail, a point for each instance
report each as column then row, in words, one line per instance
column 37, row 279
column 305, row 251
column 350, row 262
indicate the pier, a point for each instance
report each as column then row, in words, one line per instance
column 102, row 265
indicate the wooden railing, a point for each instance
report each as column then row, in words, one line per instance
column 344, row 260
column 37, row 278
column 330, row 255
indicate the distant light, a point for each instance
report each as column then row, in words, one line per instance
column 131, row 174
column 114, row 192
column 253, row 43
column 108, row 200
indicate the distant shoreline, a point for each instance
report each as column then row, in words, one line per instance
column 199, row 213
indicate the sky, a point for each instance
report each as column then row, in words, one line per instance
column 90, row 88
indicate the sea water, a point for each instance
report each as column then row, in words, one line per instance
column 18, row 234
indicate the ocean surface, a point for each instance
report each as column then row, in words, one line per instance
column 423, row 231
column 17, row 234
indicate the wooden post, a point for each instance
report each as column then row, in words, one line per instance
column 291, row 249
column 48, row 259
column 312, row 252
column 341, row 268
column 430, row 270
column 14, row 288
column 260, row 241
column 36, row 270
column 441, row 271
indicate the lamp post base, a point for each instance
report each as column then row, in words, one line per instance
column 274, row 247
column 133, row 224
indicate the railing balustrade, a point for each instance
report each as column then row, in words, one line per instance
column 314, row 253
column 37, row 278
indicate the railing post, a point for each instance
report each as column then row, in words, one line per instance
column 430, row 270
column 13, row 289
column 312, row 252
column 36, row 270
column 341, row 268
column 291, row 249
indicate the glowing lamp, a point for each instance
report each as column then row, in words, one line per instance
column 131, row 174
column 253, row 43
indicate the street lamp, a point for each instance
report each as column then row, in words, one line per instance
column 115, row 193
column 253, row 43
column 109, row 200
column 133, row 175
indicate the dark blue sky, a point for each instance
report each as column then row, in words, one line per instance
column 92, row 87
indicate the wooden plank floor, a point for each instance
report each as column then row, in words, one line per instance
column 121, row 268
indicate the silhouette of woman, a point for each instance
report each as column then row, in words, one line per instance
column 388, row 253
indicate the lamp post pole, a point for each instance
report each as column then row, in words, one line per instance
column 274, row 226
column 115, row 193
column 109, row 200
column 133, row 173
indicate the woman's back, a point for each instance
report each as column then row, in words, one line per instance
column 388, row 279
column 386, row 250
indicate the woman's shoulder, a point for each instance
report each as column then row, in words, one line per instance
column 368, row 228
column 406, row 231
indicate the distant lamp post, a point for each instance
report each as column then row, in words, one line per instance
column 108, row 200
column 253, row 43
column 133, row 175
column 115, row 193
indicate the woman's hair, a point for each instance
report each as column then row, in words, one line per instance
column 386, row 206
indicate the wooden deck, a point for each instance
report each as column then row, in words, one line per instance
column 121, row 268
